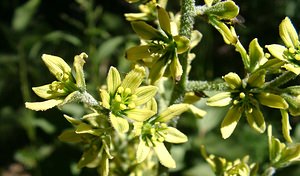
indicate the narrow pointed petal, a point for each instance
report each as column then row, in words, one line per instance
column 140, row 52
column 139, row 115
column 220, row 99
column 256, row 54
column 164, row 19
column 105, row 98
column 182, row 43
column 142, row 151
column 46, row 92
column 288, row 33
column 233, row 80
column 120, row 124
column 113, row 80
column 175, row 136
column 230, row 121
column 172, row 111
column 157, row 71
column 293, row 68
column 145, row 31
column 272, row 100
column 152, row 105
column 256, row 120
column 79, row 61
column 286, row 127
column 72, row 120
column 176, row 69
column 257, row 79
column 164, row 156
column 197, row 112
column 57, row 66
column 144, row 94
column 277, row 51
column 134, row 78
column 44, row 105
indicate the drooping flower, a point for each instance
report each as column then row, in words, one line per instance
column 66, row 88
column 245, row 97
column 154, row 132
column 290, row 53
column 161, row 48
column 124, row 98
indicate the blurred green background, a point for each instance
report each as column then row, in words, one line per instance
column 28, row 140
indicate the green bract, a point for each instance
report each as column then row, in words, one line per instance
column 66, row 89
column 290, row 53
column 245, row 97
column 125, row 98
column 161, row 48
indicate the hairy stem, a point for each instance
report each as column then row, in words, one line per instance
column 282, row 79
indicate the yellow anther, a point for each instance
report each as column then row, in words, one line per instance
column 152, row 130
column 235, row 102
column 118, row 98
column 242, row 95
column 134, row 97
column 127, row 91
column 122, row 106
column 153, row 138
column 161, row 139
column 297, row 56
column 120, row 89
column 267, row 55
column 250, row 110
column 163, row 125
column 292, row 50
column 131, row 105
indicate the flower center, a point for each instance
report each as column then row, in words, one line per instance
column 123, row 100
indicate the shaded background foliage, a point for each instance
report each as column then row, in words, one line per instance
column 65, row 28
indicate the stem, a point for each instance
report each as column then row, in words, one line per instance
column 240, row 48
column 282, row 79
column 187, row 22
column 199, row 86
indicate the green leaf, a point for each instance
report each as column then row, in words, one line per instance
column 172, row 111
column 145, row 31
column 142, row 151
column 44, row 105
column 113, row 80
column 120, row 124
column 288, row 33
column 175, row 136
column 256, row 120
column 164, row 20
column 23, row 15
column 286, row 127
column 272, row 100
column 139, row 115
column 230, row 121
column 144, row 94
column 164, row 156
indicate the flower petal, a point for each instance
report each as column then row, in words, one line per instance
column 79, row 61
column 197, row 112
column 176, row 69
column 139, row 115
column 220, row 99
column 57, row 66
column 256, row 54
column 46, row 92
column 144, row 94
column 120, row 124
column 142, row 151
column 272, row 100
column 113, row 80
column 175, row 136
column 257, row 79
column 292, row 68
column 105, row 98
column 134, row 78
column 145, row 31
column 172, row 111
column 164, row 156
column 233, row 80
column 44, row 105
column 286, row 127
column 157, row 71
column 277, row 51
column 182, row 43
column 140, row 52
column 164, row 20
column 256, row 120
column 288, row 33
column 230, row 121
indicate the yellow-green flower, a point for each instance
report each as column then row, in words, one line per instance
column 290, row 53
column 245, row 97
column 154, row 132
column 161, row 48
column 125, row 98
column 147, row 12
column 66, row 88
